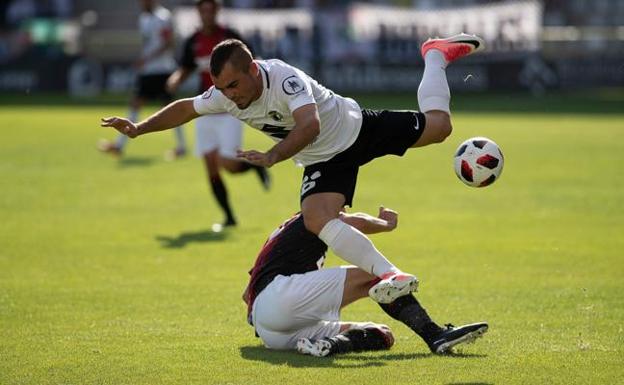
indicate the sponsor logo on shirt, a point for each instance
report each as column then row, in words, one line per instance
column 292, row 85
column 275, row 115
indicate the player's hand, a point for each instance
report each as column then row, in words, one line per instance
column 390, row 216
column 257, row 158
column 172, row 85
column 122, row 125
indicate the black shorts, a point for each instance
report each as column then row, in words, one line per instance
column 153, row 87
column 382, row 133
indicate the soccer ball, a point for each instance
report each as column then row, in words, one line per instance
column 478, row 162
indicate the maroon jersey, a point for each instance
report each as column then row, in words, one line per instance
column 291, row 249
column 198, row 48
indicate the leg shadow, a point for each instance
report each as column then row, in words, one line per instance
column 292, row 359
column 135, row 161
column 185, row 238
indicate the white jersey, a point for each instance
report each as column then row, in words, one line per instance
column 287, row 88
column 155, row 27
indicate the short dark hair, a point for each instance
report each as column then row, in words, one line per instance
column 230, row 50
column 218, row 3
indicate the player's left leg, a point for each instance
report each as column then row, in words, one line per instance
column 353, row 336
column 357, row 337
column 434, row 95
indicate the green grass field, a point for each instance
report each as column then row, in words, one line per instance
column 109, row 273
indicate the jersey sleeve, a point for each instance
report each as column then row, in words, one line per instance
column 296, row 91
column 210, row 102
column 187, row 60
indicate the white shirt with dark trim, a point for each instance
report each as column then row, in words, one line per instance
column 286, row 89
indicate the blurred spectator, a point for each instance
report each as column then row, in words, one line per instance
column 20, row 10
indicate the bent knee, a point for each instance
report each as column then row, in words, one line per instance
column 443, row 127
column 314, row 221
column 439, row 126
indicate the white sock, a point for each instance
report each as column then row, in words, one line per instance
column 179, row 135
column 354, row 247
column 433, row 92
column 133, row 116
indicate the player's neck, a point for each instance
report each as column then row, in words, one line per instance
column 209, row 29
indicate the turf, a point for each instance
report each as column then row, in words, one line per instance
column 109, row 273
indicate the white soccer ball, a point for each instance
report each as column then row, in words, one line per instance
column 478, row 162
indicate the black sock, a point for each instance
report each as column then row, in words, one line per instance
column 357, row 340
column 408, row 310
column 244, row 166
column 221, row 195
column 262, row 172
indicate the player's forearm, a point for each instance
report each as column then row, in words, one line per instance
column 366, row 223
column 294, row 142
column 173, row 115
column 177, row 78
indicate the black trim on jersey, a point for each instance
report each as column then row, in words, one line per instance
column 292, row 250
column 266, row 75
column 275, row 131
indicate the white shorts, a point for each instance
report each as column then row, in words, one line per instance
column 300, row 305
column 221, row 132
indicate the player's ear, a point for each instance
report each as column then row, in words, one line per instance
column 253, row 68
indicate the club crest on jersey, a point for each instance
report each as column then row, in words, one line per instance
column 275, row 115
column 292, row 85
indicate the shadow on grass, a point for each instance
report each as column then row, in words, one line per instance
column 470, row 383
column 135, row 161
column 185, row 238
column 290, row 358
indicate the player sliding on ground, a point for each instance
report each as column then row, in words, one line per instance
column 328, row 134
column 294, row 303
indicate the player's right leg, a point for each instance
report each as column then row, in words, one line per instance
column 207, row 147
column 434, row 95
column 408, row 310
column 320, row 207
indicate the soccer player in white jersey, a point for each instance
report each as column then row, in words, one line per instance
column 331, row 136
column 154, row 66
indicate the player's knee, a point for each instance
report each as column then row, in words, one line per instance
column 313, row 222
column 446, row 130
column 440, row 123
column 444, row 127
column 386, row 334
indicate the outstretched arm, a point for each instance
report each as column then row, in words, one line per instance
column 307, row 127
column 386, row 220
column 173, row 115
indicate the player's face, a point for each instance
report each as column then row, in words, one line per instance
column 241, row 87
column 208, row 14
column 147, row 5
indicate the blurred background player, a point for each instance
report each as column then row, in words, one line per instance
column 218, row 136
column 154, row 66
column 294, row 303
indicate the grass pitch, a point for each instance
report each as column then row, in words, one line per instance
column 109, row 273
